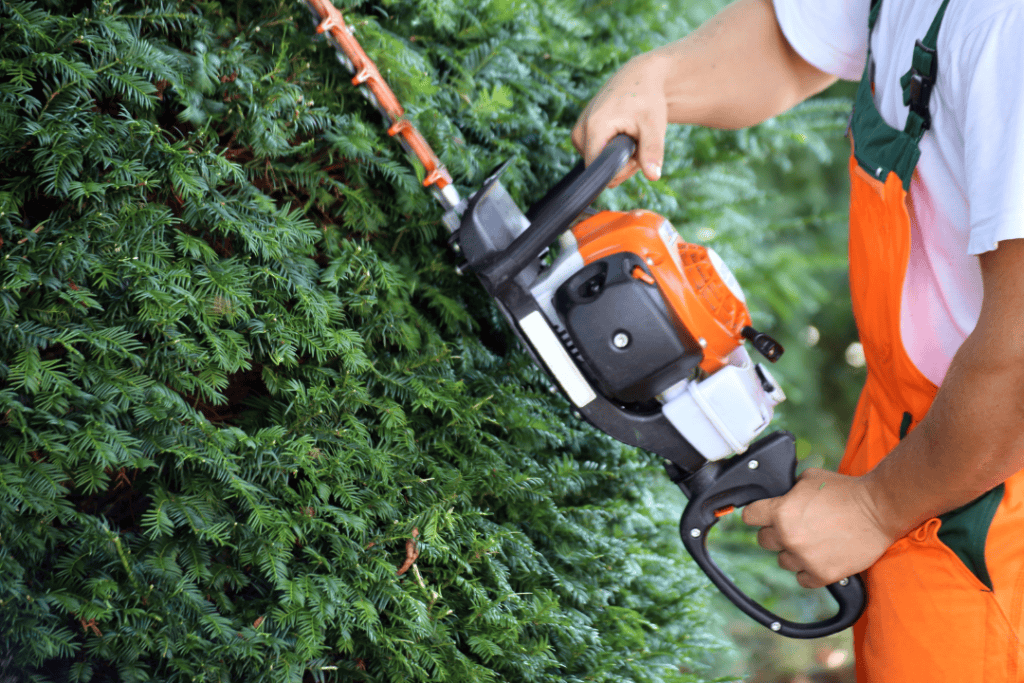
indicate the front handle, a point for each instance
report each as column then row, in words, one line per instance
column 553, row 214
column 766, row 470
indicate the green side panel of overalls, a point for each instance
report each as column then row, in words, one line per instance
column 965, row 531
column 878, row 147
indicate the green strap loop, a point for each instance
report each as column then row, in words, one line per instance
column 915, row 127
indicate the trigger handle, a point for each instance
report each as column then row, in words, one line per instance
column 766, row 470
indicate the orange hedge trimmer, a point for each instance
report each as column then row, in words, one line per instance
column 641, row 331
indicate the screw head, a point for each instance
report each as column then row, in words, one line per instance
column 695, row 533
column 844, row 582
column 620, row 340
column 753, row 464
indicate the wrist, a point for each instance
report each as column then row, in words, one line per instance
column 887, row 503
column 652, row 69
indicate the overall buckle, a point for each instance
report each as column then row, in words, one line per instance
column 920, row 84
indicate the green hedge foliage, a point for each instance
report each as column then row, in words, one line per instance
column 253, row 426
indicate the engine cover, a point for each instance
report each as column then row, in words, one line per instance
column 618, row 322
column 695, row 285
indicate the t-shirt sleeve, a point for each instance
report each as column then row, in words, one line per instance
column 992, row 69
column 830, row 34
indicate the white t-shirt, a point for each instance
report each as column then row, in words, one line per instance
column 967, row 193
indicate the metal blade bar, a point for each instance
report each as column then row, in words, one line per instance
column 372, row 85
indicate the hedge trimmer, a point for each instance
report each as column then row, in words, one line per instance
column 642, row 332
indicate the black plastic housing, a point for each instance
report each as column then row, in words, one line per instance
column 625, row 333
column 490, row 223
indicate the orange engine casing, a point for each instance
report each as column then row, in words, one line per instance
column 692, row 288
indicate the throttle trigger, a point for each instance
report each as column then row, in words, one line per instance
column 722, row 512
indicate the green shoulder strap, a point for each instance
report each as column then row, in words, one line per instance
column 919, row 81
column 876, row 5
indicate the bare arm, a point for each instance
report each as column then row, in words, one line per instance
column 831, row 526
column 736, row 70
column 972, row 438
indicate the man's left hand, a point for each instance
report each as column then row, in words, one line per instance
column 825, row 528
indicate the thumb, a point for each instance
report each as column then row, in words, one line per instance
column 760, row 512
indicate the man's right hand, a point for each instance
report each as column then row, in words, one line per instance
column 631, row 102
column 735, row 70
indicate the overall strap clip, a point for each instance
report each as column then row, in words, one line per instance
column 919, row 82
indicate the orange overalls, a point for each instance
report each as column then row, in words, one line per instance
column 944, row 602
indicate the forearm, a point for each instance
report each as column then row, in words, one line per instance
column 971, row 439
column 830, row 526
column 736, row 70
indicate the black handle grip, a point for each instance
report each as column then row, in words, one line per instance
column 766, row 470
column 551, row 216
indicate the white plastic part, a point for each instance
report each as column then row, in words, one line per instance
column 450, row 199
column 557, row 359
column 671, row 239
column 726, row 274
column 722, row 414
column 567, row 242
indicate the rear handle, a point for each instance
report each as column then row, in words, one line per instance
column 766, row 470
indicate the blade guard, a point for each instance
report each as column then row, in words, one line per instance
column 766, row 470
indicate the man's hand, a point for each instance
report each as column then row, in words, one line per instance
column 825, row 529
column 631, row 102
column 735, row 70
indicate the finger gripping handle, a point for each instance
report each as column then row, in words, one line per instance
column 766, row 470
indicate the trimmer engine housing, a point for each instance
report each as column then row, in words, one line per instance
column 631, row 321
